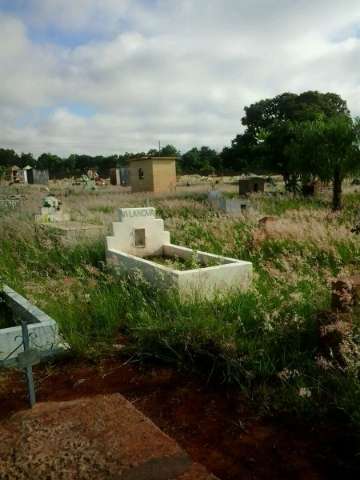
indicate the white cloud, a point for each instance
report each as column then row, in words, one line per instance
column 180, row 71
column 76, row 15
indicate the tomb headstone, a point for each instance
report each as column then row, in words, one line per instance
column 89, row 183
column 138, row 232
column 51, row 211
column 9, row 202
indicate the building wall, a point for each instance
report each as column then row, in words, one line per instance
column 40, row 177
column 141, row 185
column 164, row 172
column 159, row 175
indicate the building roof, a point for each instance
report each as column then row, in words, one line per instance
column 151, row 158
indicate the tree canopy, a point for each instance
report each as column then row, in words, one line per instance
column 268, row 130
column 204, row 161
column 326, row 148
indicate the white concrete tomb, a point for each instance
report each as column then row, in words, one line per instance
column 230, row 206
column 139, row 235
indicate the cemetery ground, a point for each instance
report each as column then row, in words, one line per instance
column 244, row 383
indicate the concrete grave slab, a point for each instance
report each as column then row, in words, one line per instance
column 139, row 236
column 100, row 438
column 69, row 232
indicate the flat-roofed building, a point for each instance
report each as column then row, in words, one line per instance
column 153, row 174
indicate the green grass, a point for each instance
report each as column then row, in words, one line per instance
column 279, row 204
column 103, row 208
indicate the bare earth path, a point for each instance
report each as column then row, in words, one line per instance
column 213, row 425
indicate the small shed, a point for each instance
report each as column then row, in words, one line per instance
column 153, row 174
column 119, row 176
column 251, row 185
column 15, row 174
column 25, row 173
column 38, row 177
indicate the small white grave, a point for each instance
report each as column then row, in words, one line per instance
column 51, row 211
column 230, row 206
column 139, row 242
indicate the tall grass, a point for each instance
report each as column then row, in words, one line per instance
column 264, row 340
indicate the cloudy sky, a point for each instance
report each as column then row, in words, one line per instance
column 109, row 76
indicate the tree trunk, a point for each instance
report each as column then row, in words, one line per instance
column 286, row 181
column 337, row 189
column 291, row 182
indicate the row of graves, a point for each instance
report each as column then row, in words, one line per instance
column 135, row 447
column 27, row 176
column 138, row 242
column 29, row 336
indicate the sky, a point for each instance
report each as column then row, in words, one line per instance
column 110, row 76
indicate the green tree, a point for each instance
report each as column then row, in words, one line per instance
column 26, row 159
column 153, row 152
column 8, row 157
column 327, row 148
column 51, row 162
column 264, row 143
column 204, row 161
column 169, row 151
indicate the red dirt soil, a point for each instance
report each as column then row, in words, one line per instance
column 214, row 425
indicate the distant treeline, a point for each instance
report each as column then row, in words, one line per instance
column 202, row 160
column 302, row 137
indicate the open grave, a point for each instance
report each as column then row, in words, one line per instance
column 43, row 330
column 139, row 238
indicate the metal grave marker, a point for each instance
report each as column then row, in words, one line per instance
column 26, row 360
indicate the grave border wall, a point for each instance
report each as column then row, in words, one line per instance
column 43, row 330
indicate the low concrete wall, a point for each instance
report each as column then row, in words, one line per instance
column 230, row 206
column 230, row 274
column 43, row 330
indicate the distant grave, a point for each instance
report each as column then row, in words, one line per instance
column 52, row 211
column 10, row 201
column 230, row 206
column 251, row 185
column 138, row 237
column 76, row 231
column 53, row 216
